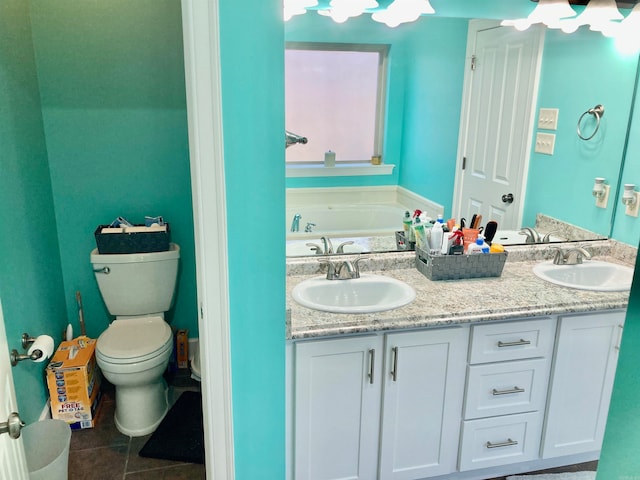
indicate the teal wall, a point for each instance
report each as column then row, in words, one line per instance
column 114, row 112
column 31, row 286
column 619, row 458
column 580, row 71
column 253, row 111
column 627, row 228
column 93, row 126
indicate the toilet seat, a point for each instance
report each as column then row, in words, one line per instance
column 134, row 340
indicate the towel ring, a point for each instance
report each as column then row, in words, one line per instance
column 598, row 112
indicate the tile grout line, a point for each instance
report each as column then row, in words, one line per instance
column 126, row 460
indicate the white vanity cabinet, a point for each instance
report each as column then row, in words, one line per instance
column 586, row 356
column 423, row 392
column 507, row 380
column 411, row 382
column 337, row 408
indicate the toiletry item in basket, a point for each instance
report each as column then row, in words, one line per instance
column 406, row 226
column 457, row 242
column 436, row 236
column 421, row 238
column 479, row 247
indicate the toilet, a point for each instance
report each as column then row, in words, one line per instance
column 133, row 352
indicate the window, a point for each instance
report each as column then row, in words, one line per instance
column 335, row 96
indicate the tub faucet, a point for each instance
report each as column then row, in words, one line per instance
column 295, row 223
column 532, row 235
column 309, row 227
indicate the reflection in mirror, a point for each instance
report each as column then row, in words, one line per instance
column 427, row 65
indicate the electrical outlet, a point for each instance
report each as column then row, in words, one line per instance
column 632, row 210
column 548, row 118
column 601, row 202
column 545, row 142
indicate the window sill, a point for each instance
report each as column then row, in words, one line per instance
column 340, row 170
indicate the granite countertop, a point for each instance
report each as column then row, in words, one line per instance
column 518, row 293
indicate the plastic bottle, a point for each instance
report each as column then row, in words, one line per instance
column 421, row 238
column 407, row 227
column 479, row 247
column 436, row 235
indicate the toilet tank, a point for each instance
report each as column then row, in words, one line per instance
column 137, row 283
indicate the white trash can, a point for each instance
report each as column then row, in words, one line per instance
column 46, row 446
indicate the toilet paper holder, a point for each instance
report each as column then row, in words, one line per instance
column 27, row 341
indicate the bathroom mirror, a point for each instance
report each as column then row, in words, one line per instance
column 558, row 186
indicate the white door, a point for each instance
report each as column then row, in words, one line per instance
column 337, row 408
column 496, row 129
column 422, row 403
column 13, row 464
column 582, row 383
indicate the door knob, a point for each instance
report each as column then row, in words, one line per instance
column 508, row 198
column 12, row 426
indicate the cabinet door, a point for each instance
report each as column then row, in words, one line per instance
column 582, row 381
column 423, row 391
column 337, row 408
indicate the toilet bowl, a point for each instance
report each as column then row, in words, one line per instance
column 134, row 351
column 133, row 354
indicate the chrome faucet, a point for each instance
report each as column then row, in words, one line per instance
column 295, row 223
column 532, row 235
column 325, row 249
column 343, row 270
column 309, row 227
column 328, row 246
column 572, row 256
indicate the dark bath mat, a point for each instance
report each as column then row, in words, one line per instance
column 180, row 436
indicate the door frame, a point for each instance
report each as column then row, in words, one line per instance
column 474, row 27
column 201, row 38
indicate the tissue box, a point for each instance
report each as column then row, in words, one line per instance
column 73, row 379
column 137, row 239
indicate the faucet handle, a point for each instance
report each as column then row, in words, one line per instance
column 315, row 247
column 332, row 271
column 340, row 248
column 559, row 256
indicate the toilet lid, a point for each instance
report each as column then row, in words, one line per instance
column 134, row 338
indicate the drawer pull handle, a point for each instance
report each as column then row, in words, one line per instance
column 372, row 362
column 394, row 370
column 522, row 341
column 508, row 443
column 507, row 392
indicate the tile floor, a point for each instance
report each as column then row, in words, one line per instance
column 103, row 453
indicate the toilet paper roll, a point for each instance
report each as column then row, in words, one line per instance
column 45, row 344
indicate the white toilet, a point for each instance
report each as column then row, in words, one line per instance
column 133, row 352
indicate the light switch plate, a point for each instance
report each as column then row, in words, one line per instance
column 545, row 143
column 548, row 118
column 632, row 210
column 602, row 201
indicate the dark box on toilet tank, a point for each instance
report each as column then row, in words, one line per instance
column 137, row 239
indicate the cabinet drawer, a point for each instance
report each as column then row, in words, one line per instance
column 490, row 442
column 506, row 388
column 514, row 340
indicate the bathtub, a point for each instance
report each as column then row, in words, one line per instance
column 361, row 220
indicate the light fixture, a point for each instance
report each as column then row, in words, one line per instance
column 341, row 10
column 598, row 14
column 601, row 192
column 631, row 200
column 598, row 187
column 403, row 11
column 549, row 12
column 297, row 7
column 626, row 33
column 629, row 195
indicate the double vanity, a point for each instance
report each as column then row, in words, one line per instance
column 472, row 379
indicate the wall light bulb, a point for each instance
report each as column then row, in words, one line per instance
column 629, row 194
column 598, row 188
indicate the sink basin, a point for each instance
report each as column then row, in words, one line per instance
column 367, row 294
column 591, row 275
